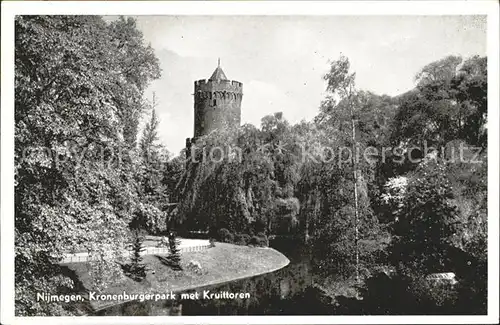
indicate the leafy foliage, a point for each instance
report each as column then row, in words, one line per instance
column 79, row 99
column 425, row 224
column 79, row 85
column 260, row 241
column 239, row 188
column 241, row 239
column 136, row 269
column 449, row 103
column 152, row 212
column 435, row 206
column 174, row 257
column 225, row 235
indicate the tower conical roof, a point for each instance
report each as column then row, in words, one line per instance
column 218, row 73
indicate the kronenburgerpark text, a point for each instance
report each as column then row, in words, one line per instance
column 45, row 297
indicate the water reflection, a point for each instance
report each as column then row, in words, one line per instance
column 285, row 292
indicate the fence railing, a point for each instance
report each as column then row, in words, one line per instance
column 75, row 258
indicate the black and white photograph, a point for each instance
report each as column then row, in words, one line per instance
column 206, row 159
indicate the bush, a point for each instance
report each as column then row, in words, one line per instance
column 212, row 242
column 254, row 241
column 260, row 241
column 136, row 269
column 241, row 239
column 238, row 240
column 225, row 236
column 397, row 294
column 427, row 222
column 175, row 252
column 245, row 238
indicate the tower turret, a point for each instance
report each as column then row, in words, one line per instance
column 217, row 103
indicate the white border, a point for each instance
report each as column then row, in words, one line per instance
column 10, row 9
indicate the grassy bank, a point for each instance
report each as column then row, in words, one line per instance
column 222, row 263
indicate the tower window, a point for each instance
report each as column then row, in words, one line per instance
column 215, row 102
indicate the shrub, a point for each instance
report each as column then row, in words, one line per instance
column 259, row 240
column 212, row 242
column 225, row 236
column 136, row 269
column 254, row 241
column 241, row 239
column 175, row 253
column 245, row 238
column 397, row 294
column 427, row 222
column 262, row 241
column 238, row 240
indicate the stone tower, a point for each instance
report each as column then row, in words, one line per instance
column 217, row 103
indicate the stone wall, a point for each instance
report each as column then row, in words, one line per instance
column 217, row 104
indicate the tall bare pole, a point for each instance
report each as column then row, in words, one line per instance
column 154, row 104
column 341, row 83
column 356, row 216
column 355, row 173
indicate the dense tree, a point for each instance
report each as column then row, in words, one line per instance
column 244, row 180
column 436, row 203
column 447, row 112
column 174, row 257
column 152, row 212
column 79, row 100
column 425, row 222
column 439, row 71
column 346, row 115
column 79, row 86
column 449, row 104
column 136, row 269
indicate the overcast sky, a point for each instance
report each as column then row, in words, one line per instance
column 281, row 59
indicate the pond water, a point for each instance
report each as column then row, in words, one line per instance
column 288, row 291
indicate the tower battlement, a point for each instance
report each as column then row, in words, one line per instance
column 217, row 103
column 207, row 85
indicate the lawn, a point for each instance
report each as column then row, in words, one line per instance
column 222, row 263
